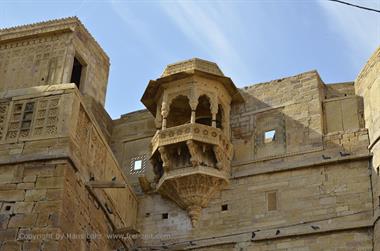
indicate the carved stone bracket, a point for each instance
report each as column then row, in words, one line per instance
column 165, row 158
column 192, row 188
column 219, row 155
column 194, row 150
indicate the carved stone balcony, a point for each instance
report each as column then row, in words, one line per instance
column 195, row 132
column 191, row 163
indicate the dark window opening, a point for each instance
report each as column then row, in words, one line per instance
column 7, row 208
column 225, row 207
column 165, row 216
column 203, row 121
column 180, row 112
column 203, row 111
column 76, row 73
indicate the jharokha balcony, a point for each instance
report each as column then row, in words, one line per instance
column 191, row 163
column 191, row 153
column 191, row 150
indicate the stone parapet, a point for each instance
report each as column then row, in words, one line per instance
column 51, row 122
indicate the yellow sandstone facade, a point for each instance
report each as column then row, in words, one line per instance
column 291, row 164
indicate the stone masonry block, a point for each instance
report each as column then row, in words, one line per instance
column 49, row 182
column 12, row 195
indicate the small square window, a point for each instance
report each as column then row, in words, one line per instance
column 269, row 136
column 137, row 165
column 225, row 207
column 165, row 216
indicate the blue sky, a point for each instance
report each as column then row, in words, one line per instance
column 251, row 41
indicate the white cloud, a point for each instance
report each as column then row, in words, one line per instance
column 360, row 28
column 207, row 26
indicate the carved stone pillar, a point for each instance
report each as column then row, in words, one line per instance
column 193, row 105
column 213, row 124
column 158, row 119
column 164, row 114
column 226, row 123
column 214, row 112
column 192, row 120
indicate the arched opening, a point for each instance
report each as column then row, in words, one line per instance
column 220, row 117
column 179, row 113
column 203, row 112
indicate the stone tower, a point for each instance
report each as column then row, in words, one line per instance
column 61, row 187
column 53, row 52
column 191, row 150
column 367, row 85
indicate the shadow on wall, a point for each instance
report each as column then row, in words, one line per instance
column 292, row 115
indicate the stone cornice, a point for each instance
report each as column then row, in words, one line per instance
column 192, row 64
column 69, row 24
column 307, row 163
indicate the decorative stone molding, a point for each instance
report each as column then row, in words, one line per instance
column 198, row 132
column 69, row 24
column 143, row 164
column 192, row 64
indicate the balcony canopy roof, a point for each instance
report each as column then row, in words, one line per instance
column 185, row 69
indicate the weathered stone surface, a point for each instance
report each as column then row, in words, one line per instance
column 23, row 207
column 12, row 195
column 49, row 182
column 22, row 220
column 8, row 234
column 35, row 195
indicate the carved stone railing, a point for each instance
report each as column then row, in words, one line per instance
column 197, row 132
column 191, row 178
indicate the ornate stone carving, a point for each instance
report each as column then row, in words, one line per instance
column 198, row 132
column 194, row 152
column 219, row 155
column 191, row 188
column 46, row 121
column 191, row 152
column 20, row 123
column 207, row 150
column 165, row 158
column 3, row 118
